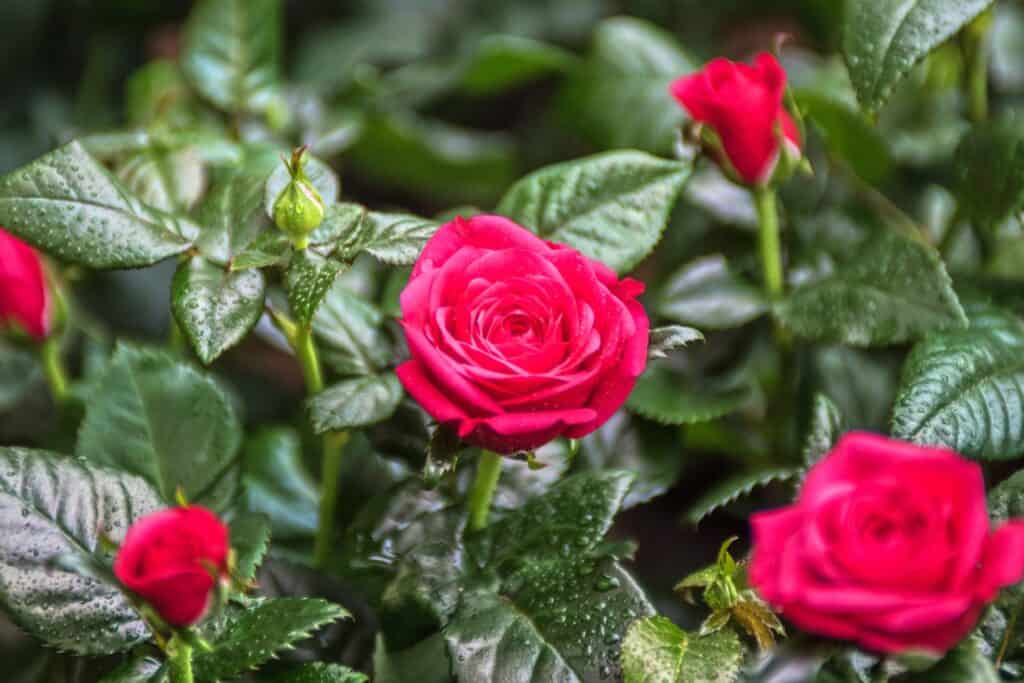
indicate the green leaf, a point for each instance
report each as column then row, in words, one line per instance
column 169, row 180
column 503, row 62
column 425, row 662
column 884, row 39
column 965, row 390
column 663, row 397
column 272, row 248
column 278, row 485
column 715, row 658
column 736, row 487
column 666, row 340
column 250, row 539
column 232, row 220
column 653, row 651
column 319, row 672
column 394, row 238
column 216, row 308
column 824, row 430
column 620, row 97
column 861, row 384
column 356, row 402
column 847, row 135
column 652, row 452
column 894, row 291
column 322, row 176
column 576, row 512
column 966, row 664
column 706, row 293
column 613, row 207
column 53, row 509
column 231, row 52
column 989, row 165
column 163, row 420
column 253, row 634
column 139, row 669
column 309, row 278
column 349, row 332
column 445, row 163
column 19, row 371
column 339, row 235
column 68, row 205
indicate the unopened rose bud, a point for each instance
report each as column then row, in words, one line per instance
column 299, row 209
column 25, row 297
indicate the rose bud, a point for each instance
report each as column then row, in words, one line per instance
column 299, row 209
column 742, row 105
column 515, row 340
column 24, row 292
column 888, row 545
column 172, row 559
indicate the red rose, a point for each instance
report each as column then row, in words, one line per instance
column 24, row 295
column 888, row 545
column 516, row 341
column 170, row 559
column 743, row 105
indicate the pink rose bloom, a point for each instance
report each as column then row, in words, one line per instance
column 515, row 340
column 743, row 105
column 24, row 294
column 888, row 545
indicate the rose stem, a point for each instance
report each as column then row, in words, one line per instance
column 771, row 253
column 488, row 470
column 974, row 41
column 1008, row 635
column 179, row 656
column 53, row 368
column 300, row 337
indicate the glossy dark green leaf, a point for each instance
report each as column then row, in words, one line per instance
column 161, row 419
column 736, row 487
column 824, row 430
column 168, row 180
column 278, row 485
column 652, row 452
column 309, row 278
column 139, row 669
column 446, row 163
column 320, row 672
column 847, row 135
column 966, row 664
column 271, row 248
column 350, row 335
column 53, row 509
column 653, row 650
column 894, row 291
column 253, row 634
column 250, row 539
column 965, row 390
column 216, row 308
column 884, row 39
column 396, row 239
column 620, row 97
column 345, row 226
column 707, row 294
column 67, row 204
column 502, row 62
column 19, row 371
column 355, row 402
column 665, row 341
column 231, row 218
column 613, row 207
column 232, row 52
column 990, row 171
column 425, row 662
column 860, row 383
column 322, row 177
column 666, row 398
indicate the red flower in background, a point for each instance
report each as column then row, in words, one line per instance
column 170, row 559
column 515, row 340
column 743, row 105
column 888, row 545
column 24, row 294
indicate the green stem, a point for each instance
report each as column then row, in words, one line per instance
column 975, row 48
column 305, row 351
column 334, row 449
column 179, row 657
column 488, row 470
column 53, row 368
column 771, row 250
column 1008, row 635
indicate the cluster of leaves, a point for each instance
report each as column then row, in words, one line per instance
column 903, row 256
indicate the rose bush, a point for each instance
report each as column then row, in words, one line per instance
column 173, row 559
column 515, row 340
column 888, row 544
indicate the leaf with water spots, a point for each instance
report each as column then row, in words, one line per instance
column 53, row 509
column 355, row 402
column 67, row 204
column 308, row 279
column 319, row 672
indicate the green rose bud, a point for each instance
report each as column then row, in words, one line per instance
column 299, row 209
